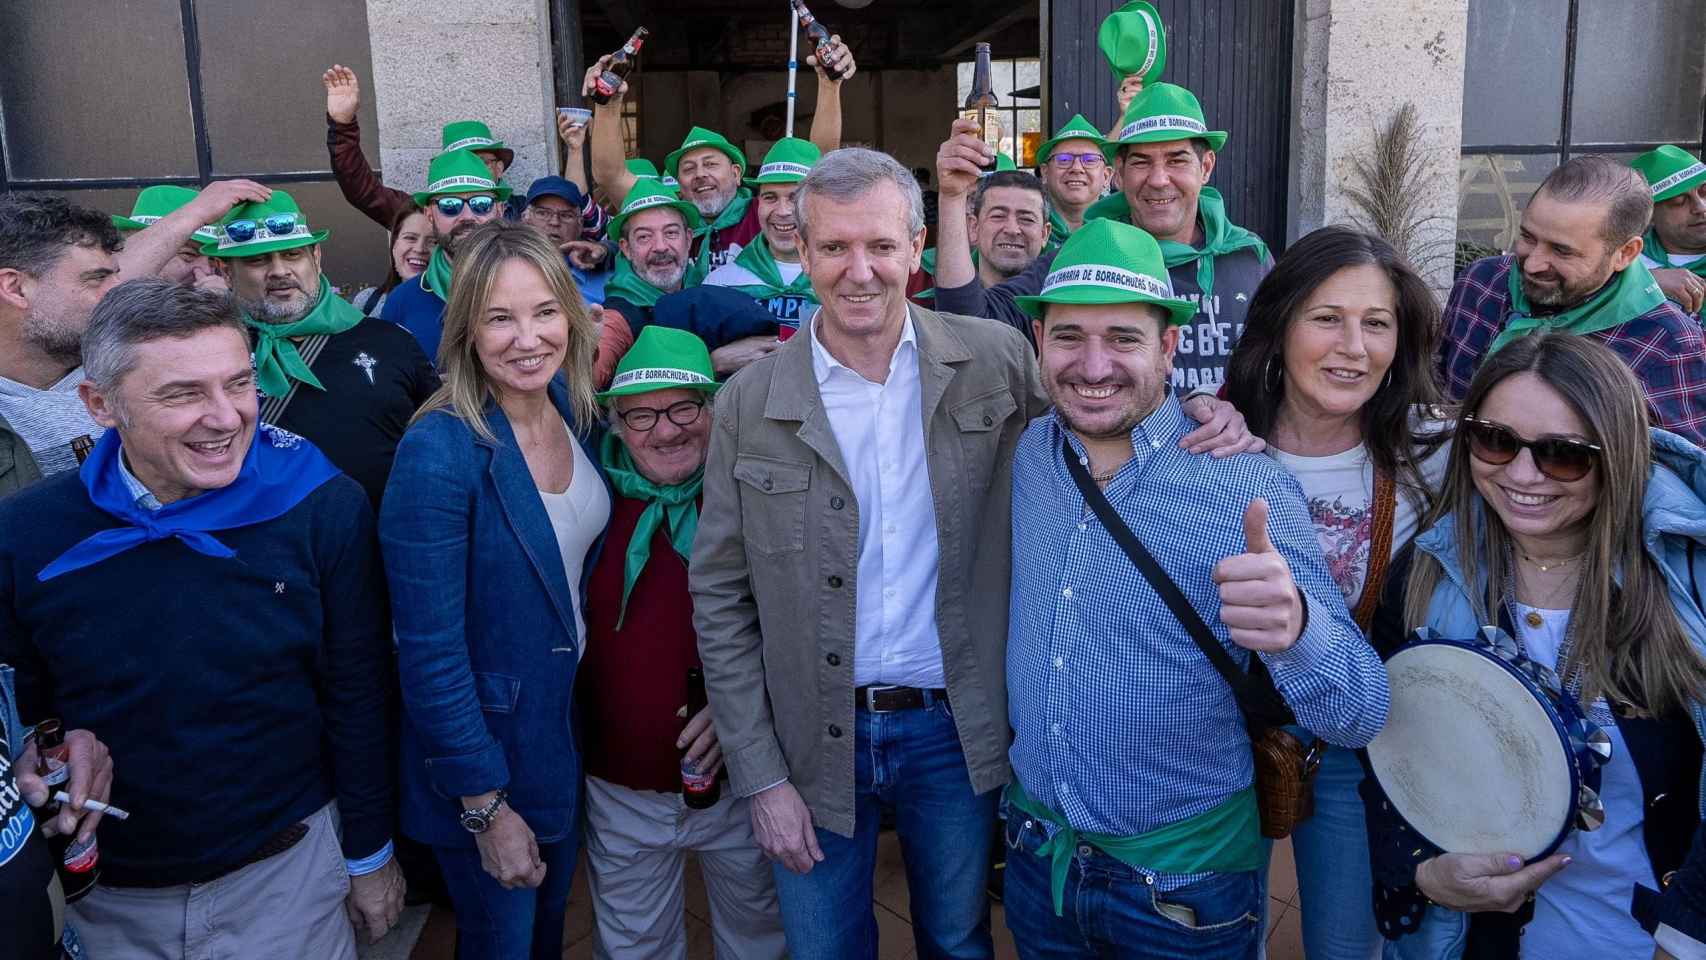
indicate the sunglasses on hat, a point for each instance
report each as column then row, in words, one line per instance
column 452, row 206
column 277, row 225
column 1560, row 458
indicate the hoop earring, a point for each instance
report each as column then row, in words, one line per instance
column 1272, row 375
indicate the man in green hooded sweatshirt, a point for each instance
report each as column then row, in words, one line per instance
column 348, row 383
column 1165, row 154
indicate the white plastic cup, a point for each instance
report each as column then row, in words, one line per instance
column 577, row 116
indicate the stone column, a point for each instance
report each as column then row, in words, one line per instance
column 1356, row 64
column 440, row 60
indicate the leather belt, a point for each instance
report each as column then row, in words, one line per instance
column 285, row 839
column 887, row 699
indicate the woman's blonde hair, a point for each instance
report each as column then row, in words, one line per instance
column 1628, row 643
column 467, row 388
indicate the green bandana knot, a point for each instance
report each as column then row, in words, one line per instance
column 761, row 263
column 676, row 506
column 436, row 279
column 1630, row 293
column 1655, row 251
column 277, row 361
column 1219, row 235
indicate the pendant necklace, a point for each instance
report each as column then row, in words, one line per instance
column 1533, row 617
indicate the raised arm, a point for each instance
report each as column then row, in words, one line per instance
column 146, row 251
column 360, row 187
column 609, row 155
column 826, row 114
column 573, row 136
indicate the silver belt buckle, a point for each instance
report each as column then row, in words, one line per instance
column 871, row 696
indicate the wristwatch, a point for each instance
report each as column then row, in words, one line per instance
column 479, row 819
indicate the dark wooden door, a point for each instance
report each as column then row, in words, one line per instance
column 1235, row 55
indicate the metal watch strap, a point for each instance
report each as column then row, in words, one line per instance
column 479, row 819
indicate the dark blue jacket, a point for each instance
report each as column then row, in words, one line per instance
column 419, row 312
column 486, row 639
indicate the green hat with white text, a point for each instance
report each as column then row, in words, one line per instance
column 1078, row 128
column 1163, row 112
column 473, row 135
column 158, row 201
column 1109, row 262
column 701, row 137
column 1134, row 41
column 1670, row 171
column 663, row 358
column 263, row 226
column 787, row 162
column 647, row 194
column 460, row 171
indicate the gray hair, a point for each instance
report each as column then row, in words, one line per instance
column 139, row 311
column 1596, row 178
column 849, row 173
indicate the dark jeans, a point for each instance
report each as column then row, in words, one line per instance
column 1112, row 911
column 909, row 759
column 497, row 924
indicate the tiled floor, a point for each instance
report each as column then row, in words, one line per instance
column 893, row 917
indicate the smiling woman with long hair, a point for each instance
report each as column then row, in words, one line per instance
column 489, row 525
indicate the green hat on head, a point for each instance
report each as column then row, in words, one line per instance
column 1110, row 262
column 263, row 226
column 787, row 162
column 663, row 358
column 460, row 171
column 642, row 168
column 646, row 195
column 1077, row 128
column 1163, row 112
column 1134, row 41
column 473, row 135
column 1003, row 162
column 701, row 137
column 1670, row 171
column 156, row 202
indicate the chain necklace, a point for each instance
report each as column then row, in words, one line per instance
column 1552, row 565
column 1570, row 677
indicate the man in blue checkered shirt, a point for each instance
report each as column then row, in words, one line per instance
column 1131, row 822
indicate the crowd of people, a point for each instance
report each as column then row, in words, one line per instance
column 997, row 544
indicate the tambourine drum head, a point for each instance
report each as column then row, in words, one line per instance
column 1469, row 758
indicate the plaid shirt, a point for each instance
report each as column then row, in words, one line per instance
column 1120, row 723
column 1663, row 346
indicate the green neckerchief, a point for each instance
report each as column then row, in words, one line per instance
column 630, row 286
column 1219, row 235
column 277, row 361
column 677, row 506
column 1655, row 251
column 758, row 261
column 927, row 264
column 1631, row 293
column 436, row 278
column 1225, row 838
column 1058, row 231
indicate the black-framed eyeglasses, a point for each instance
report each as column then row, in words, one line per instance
column 277, row 225
column 452, row 206
column 1561, row 458
column 1092, row 160
column 683, row 414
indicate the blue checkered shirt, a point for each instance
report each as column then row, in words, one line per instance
column 1121, row 724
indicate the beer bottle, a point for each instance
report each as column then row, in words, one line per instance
column 75, row 860
column 622, row 63
column 981, row 105
column 699, row 790
column 819, row 36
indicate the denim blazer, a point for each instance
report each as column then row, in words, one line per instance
column 485, row 628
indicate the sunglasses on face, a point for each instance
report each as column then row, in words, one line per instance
column 1092, row 160
column 1560, row 458
column 683, row 414
column 277, row 225
column 452, row 206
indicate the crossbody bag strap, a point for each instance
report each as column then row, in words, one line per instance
column 1379, row 549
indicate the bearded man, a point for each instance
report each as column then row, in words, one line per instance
column 1675, row 246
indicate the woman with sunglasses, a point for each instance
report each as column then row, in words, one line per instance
column 1334, row 371
column 1574, row 527
column 489, row 526
column 412, row 243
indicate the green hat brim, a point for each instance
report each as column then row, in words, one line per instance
column 1680, row 188
column 688, row 210
column 1047, row 148
column 125, row 223
column 630, row 389
column 1107, row 38
column 1214, row 138
column 211, row 248
column 206, row 233
column 727, row 149
column 774, row 178
column 1179, row 312
column 501, row 191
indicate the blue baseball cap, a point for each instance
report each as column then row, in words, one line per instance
column 555, row 187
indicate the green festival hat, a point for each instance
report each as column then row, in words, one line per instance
column 1134, row 41
column 642, row 168
column 663, row 358
column 1003, row 162
column 1163, row 112
column 263, row 226
column 473, row 135
column 460, row 171
column 701, row 137
column 1078, row 128
column 787, row 162
column 647, row 194
column 158, row 201
column 1670, row 171
column 1110, row 262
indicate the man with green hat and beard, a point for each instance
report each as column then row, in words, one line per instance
column 461, row 194
column 348, row 383
column 640, row 645
column 151, row 221
column 768, row 269
column 653, row 232
column 1165, row 154
column 1675, row 247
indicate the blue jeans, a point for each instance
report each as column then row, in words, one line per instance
column 910, row 760
column 497, row 924
column 1111, row 910
column 1335, row 884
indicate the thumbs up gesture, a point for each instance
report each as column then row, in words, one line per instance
column 1259, row 603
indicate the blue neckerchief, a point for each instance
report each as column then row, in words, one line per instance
column 280, row 470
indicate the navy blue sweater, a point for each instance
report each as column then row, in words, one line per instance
column 237, row 695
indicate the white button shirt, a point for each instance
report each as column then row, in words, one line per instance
column 880, row 430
